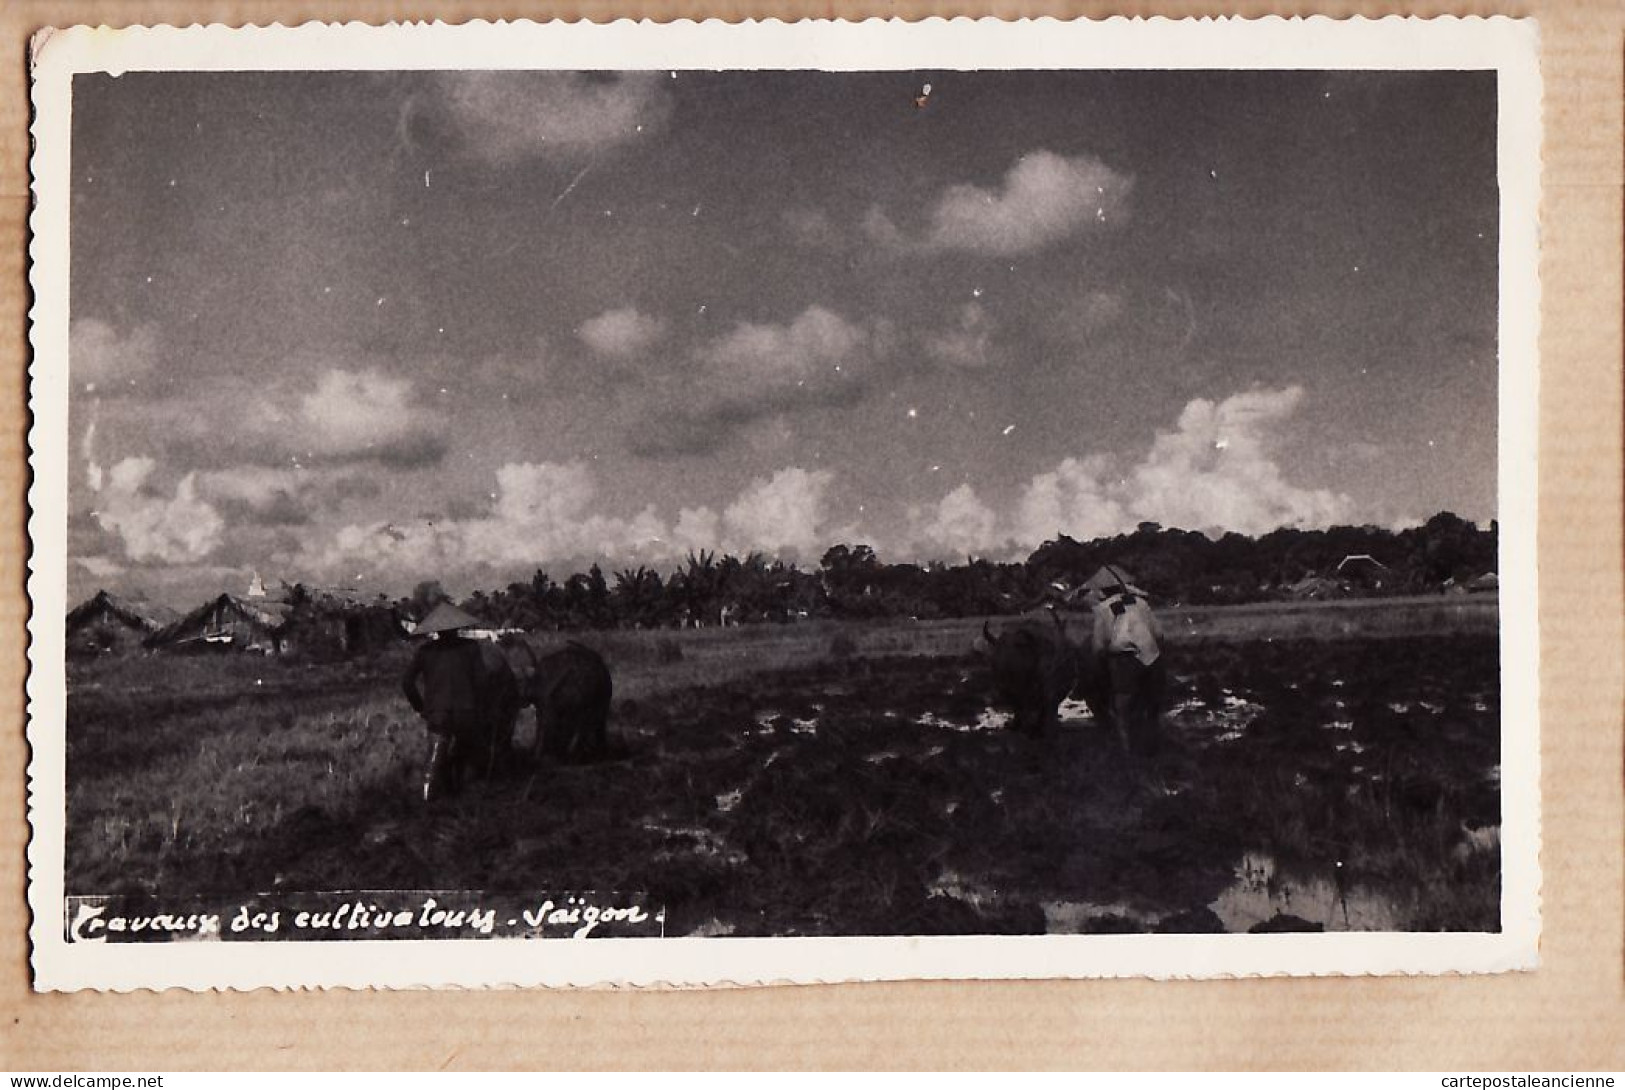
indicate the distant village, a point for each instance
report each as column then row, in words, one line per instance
column 280, row 620
column 1447, row 555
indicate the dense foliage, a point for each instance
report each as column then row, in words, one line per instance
column 851, row 581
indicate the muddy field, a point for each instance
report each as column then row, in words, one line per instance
column 1344, row 783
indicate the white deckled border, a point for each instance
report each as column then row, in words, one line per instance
column 1508, row 46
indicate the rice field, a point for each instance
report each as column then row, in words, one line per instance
column 1326, row 767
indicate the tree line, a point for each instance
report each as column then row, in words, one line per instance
column 851, row 581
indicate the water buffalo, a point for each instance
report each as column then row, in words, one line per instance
column 570, row 689
column 500, row 701
column 468, row 696
column 1034, row 667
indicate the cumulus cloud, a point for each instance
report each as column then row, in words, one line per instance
column 367, row 415
column 509, row 117
column 541, row 511
column 1074, row 498
column 550, row 512
column 150, row 525
column 758, row 369
column 816, row 353
column 322, row 416
column 959, row 525
column 621, row 333
column 968, row 344
column 546, row 498
column 257, row 493
column 1044, row 198
column 413, row 549
column 270, row 496
column 785, row 514
column 548, row 509
column 1216, row 471
column 697, row 528
column 104, row 361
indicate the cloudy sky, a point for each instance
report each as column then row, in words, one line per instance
column 370, row 328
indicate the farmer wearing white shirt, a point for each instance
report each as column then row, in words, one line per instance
column 1123, row 671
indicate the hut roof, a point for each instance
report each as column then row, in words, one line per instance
column 265, row 613
column 142, row 615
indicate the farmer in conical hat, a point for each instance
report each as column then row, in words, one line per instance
column 443, row 685
column 1124, row 672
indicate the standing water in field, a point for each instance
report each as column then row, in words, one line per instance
column 1264, row 890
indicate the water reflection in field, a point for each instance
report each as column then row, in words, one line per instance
column 1264, row 891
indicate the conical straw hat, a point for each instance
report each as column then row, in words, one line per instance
column 446, row 617
column 1105, row 582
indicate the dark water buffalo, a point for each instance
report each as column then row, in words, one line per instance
column 470, row 696
column 570, row 688
column 1034, row 667
column 500, row 701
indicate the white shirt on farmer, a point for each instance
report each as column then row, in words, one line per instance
column 1124, row 623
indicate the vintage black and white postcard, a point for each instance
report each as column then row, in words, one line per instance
column 708, row 504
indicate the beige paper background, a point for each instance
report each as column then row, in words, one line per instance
column 1570, row 1014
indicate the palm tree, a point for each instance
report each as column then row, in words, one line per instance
column 638, row 597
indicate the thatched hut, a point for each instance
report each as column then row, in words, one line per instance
column 1364, row 571
column 106, row 624
column 326, row 623
column 227, row 623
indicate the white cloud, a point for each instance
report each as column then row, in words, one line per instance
column 366, row 414
column 621, row 333
column 541, row 512
column 508, row 117
column 697, row 528
column 1215, row 472
column 785, row 514
column 759, row 369
column 1075, row 498
column 816, row 352
column 960, row 525
column 408, row 552
column 1045, row 197
column 1409, row 521
column 544, row 498
column 549, row 512
column 545, row 510
column 151, row 526
column 275, row 495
